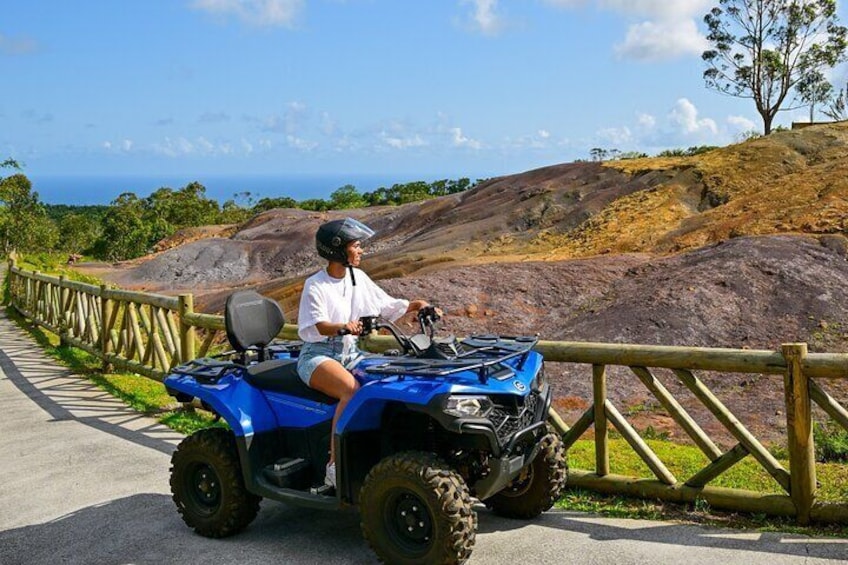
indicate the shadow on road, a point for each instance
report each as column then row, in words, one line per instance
column 146, row 529
column 61, row 394
column 683, row 535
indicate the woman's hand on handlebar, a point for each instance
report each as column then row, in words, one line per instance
column 353, row 327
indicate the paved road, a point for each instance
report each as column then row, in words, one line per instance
column 84, row 480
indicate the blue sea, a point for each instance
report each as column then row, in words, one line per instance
column 102, row 189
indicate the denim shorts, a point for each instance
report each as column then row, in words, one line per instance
column 313, row 354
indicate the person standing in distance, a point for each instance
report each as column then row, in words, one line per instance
column 332, row 302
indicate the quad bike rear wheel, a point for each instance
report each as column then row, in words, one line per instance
column 207, row 484
column 416, row 509
column 538, row 485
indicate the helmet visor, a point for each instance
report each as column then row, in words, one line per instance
column 354, row 230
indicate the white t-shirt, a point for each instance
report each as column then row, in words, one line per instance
column 338, row 301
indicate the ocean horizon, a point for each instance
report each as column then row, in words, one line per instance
column 103, row 189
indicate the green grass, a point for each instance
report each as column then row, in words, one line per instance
column 684, row 461
column 54, row 264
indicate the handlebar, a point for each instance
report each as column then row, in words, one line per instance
column 427, row 317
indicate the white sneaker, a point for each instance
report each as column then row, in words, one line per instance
column 330, row 477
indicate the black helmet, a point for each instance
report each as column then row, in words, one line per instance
column 332, row 238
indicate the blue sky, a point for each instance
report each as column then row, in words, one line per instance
column 437, row 87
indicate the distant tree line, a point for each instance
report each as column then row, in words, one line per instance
column 131, row 225
column 603, row 154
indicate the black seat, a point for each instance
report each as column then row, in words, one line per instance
column 280, row 375
column 252, row 320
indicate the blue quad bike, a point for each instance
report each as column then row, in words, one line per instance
column 437, row 423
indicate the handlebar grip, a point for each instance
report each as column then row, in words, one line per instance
column 343, row 331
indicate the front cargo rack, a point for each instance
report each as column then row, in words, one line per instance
column 485, row 354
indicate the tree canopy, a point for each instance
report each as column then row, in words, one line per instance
column 765, row 49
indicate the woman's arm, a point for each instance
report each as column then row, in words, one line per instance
column 330, row 329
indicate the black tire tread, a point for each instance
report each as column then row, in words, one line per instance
column 239, row 507
column 450, row 492
column 550, row 465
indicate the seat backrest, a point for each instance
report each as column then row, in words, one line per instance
column 252, row 320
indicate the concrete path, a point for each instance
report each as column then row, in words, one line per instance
column 84, row 480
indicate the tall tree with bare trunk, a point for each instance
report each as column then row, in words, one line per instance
column 764, row 49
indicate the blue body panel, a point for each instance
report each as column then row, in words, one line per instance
column 249, row 410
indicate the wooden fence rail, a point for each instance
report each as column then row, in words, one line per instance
column 149, row 334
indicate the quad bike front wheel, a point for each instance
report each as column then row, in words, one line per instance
column 416, row 509
column 207, row 484
column 537, row 486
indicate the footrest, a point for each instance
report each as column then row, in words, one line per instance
column 286, row 472
column 324, row 490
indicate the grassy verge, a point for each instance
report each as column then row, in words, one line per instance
column 55, row 265
column 684, row 461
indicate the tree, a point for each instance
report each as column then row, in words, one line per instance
column 78, row 232
column 24, row 225
column 126, row 233
column 346, row 197
column 763, row 49
column 266, row 204
column 815, row 90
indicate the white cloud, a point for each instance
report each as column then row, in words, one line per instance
column 484, row 17
column 684, row 117
column 265, row 13
column 667, row 29
column 398, row 142
column 661, row 40
column 123, row 146
column 300, row 144
column 543, row 134
column 646, row 121
column 183, row 147
column 460, row 140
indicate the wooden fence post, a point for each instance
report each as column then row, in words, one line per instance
column 799, row 428
column 106, row 307
column 599, row 385
column 187, row 336
column 9, row 298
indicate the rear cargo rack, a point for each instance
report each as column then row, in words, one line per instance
column 207, row 370
column 485, row 354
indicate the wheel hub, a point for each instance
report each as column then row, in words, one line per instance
column 412, row 521
column 206, row 486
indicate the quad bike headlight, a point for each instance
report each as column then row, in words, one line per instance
column 465, row 406
column 540, row 379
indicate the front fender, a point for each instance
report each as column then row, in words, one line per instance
column 243, row 407
column 364, row 411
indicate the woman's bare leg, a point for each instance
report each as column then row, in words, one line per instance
column 331, row 378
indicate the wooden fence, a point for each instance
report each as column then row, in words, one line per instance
column 148, row 334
